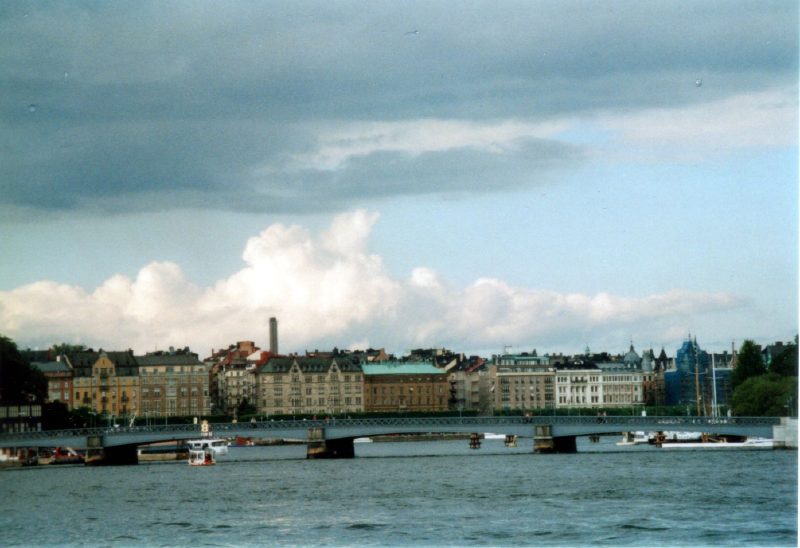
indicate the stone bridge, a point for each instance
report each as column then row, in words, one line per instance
column 333, row 438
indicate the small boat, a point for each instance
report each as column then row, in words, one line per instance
column 241, row 441
column 201, row 457
column 362, row 440
column 674, row 437
column 218, row 445
column 66, row 455
column 634, row 438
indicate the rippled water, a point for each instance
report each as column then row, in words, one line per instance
column 430, row 493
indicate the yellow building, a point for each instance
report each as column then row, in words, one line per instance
column 105, row 382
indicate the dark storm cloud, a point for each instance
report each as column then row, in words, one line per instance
column 146, row 105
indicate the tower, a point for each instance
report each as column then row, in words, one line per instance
column 273, row 336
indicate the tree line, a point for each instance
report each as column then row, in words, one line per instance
column 761, row 390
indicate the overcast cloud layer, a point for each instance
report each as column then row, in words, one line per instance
column 589, row 172
column 286, row 107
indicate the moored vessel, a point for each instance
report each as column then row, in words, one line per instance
column 218, row 446
column 201, row 457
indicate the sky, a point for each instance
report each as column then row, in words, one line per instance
column 476, row 176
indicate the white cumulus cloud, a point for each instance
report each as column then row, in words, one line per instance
column 329, row 290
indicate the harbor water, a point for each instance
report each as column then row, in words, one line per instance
column 414, row 493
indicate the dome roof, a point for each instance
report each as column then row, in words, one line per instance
column 632, row 358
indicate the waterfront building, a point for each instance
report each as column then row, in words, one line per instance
column 523, row 382
column 687, row 384
column 59, row 379
column 525, row 359
column 632, row 360
column 25, row 417
column 105, row 382
column 230, row 376
column 173, row 383
column 470, row 386
column 237, row 386
column 405, row 386
column 298, row 385
column 578, row 383
column 622, row 387
column 652, row 379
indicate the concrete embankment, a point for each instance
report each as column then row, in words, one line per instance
column 784, row 436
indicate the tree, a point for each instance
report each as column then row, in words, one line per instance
column 56, row 416
column 766, row 395
column 67, row 348
column 245, row 408
column 19, row 382
column 748, row 363
column 785, row 363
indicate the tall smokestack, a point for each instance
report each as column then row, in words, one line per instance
column 273, row 335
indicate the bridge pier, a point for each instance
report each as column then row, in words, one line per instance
column 97, row 454
column 544, row 442
column 320, row 448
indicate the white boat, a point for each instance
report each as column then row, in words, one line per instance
column 752, row 443
column 362, row 440
column 634, row 438
column 201, row 457
column 678, row 437
column 492, row 436
column 217, row 445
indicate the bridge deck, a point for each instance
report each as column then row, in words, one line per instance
column 354, row 428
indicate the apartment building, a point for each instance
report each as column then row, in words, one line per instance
column 309, row 385
column 578, row 383
column 471, row 384
column 59, row 380
column 106, row 382
column 622, row 387
column 231, row 378
column 173, row 383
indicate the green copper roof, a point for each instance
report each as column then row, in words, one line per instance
column 402, row 368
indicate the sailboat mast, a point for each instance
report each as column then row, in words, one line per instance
column 696, row 381
column 713, row 387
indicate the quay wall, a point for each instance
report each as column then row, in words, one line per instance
column 784, row 435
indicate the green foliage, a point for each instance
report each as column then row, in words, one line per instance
column 785, row 364
column 748, row 363
column 56, row 416
column 67, row 348
column 19, row 382
column 245, row 408
column 766, row 395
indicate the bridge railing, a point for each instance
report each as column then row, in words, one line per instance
column 263, row 427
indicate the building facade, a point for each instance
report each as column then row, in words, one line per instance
column 622, row 387
column 173, row 384
column 105, row 382
column 299, row 385
column 59, row 380
column 471, row 384
column 578, row 384
column 405, row 387
column 688, row 383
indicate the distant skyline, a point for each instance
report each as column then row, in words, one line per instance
column 548, row 175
